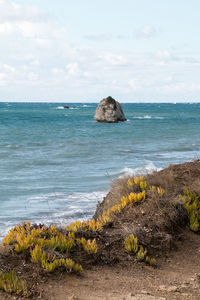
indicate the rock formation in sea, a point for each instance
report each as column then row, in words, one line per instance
column 109, row 111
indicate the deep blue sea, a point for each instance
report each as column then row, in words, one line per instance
column 56, row 164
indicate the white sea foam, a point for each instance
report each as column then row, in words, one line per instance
column 143, row 117
column 60, row 107
column 148, row 117
column 12, row 146
column 74, row 108
column 127, row 151
column 56, row 208
column 63, row 197
column 148, row 168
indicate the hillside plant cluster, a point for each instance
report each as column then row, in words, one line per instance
column 139, row 220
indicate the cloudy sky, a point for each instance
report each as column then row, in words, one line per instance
column 84, row 50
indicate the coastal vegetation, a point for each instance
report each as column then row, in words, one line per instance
column 10, row 283
column 139, row 220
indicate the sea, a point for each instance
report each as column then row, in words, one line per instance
column 57, row 163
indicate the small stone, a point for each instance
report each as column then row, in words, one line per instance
column 162, row 288
column 168, row 288
column 146, row 297
column 172, row 289
column 192, row 279
column 184, row 286
column 131, row 295
column 73, row 297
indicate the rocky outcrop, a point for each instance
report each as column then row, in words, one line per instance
column 109, row 111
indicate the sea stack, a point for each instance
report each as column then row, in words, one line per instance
column 109, row 111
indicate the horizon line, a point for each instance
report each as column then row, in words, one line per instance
column 86, row 102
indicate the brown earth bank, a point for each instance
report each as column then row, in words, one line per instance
column 161, row 223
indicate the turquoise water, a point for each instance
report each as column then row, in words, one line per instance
column 56, row 164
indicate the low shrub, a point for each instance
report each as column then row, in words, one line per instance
column 11, row 283
column 192, row 206
column 131, row 244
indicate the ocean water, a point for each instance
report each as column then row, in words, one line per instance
column 56, row 164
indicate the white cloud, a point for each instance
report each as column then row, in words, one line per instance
column 32, row 29
column 57, row 71
column 35, row 63
column 114, row 59
column 27, row 21
column 8, row 68
column 6, row 28
column 180, row 87
column 73, row 69
column 7, row 73
column 165, row 57
column 146, row 31
column 99, row 37
column 26, row 29
column 11, row 11
column 43, row 42
column 164, row 54
column 168, row 79
column 36, row 51
column 123, row 37
column 32, row 76
column 2, row 76
column 134, row 84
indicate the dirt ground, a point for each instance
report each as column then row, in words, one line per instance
column 177, row 277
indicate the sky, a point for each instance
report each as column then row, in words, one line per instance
column 85, row 50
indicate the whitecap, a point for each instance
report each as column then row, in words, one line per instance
column 46, row 197
column 143, row 117
column 12, row 146
column 60, row 107
column 56, row 208
column 58, row 196
column 127, row 150
column 148, row 117
column 148, row 168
